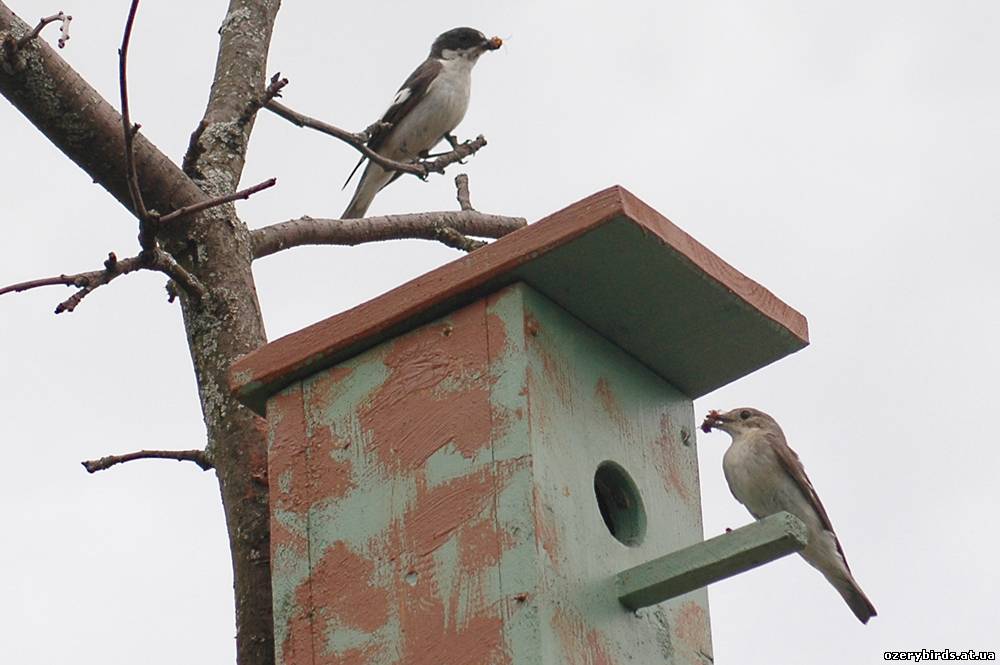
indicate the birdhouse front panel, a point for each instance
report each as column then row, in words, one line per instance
column 385, row 535
column 466, row 492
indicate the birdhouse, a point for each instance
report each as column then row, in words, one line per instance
column 496, row 462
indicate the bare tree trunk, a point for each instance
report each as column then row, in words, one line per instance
column 225, row 326
column 229, row 324
column 214, row 246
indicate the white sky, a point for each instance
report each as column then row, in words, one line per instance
column 843, row 154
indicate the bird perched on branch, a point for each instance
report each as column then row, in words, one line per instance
column 766, row 476
column 426, row 109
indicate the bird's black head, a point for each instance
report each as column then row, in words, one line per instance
column 463, row 41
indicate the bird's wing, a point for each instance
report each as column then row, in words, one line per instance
column 792, row 465
column 409, row 95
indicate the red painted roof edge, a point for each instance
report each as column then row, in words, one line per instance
column 263, row 369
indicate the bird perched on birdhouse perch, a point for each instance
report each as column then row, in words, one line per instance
column 767, row 477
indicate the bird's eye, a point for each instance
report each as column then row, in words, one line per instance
column 744, row 414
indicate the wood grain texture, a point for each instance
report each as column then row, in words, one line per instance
column 509, row 259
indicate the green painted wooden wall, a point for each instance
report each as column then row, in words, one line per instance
column 433, row 498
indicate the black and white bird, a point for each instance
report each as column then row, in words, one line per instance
column 428, row 106
column 766, row 476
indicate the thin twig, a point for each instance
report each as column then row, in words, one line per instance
column 462, row 187
column 194, row 149
column 166, row 264
column 463, row 150
column 420, row 168
column 418, row 226
column 146, row 236
column 87, row 282
column 63, row 30
column 199, row 457
column 272, row 91
column 217, row 201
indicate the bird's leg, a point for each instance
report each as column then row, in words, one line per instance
column 452, row 141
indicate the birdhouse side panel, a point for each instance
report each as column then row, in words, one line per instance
column 604, row 425
column 401, row 486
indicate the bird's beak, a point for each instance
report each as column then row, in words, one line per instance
column 493, row 43
column 713, row 419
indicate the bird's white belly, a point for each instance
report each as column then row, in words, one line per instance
column 745, row 466
column 436, row 115
column 758, row 481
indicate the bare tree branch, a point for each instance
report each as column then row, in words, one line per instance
column 146, row 235
column 165, row 263
column 462, row 187
column 423, row 225
column 82, row 124
column 452, row 238
column 218, row 200
column 63, row 30
column 155, row 259
column 421, row 168
column 194, row 149
column 272, row 91
column 447, row 227
column 199, row 457
column 152, row 259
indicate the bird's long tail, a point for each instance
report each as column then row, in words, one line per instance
column 372, row 180
column 848, row 588
column 825, row 554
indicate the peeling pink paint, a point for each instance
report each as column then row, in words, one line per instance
column 546, row 531
column 326, row 387
column 691, row 626
column 582, row 645
column 439, row 372
column 611, row 405
column 330, row 475
column 555, row 373
column 297, row 647
column 440, row 510
column 287, row 467
column 341, row 579
column 436, row 394
column 288, row 434
column 667, row 458
column 496, row 329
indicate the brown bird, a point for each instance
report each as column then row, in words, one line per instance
column 766, row 476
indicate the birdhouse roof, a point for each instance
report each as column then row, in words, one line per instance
column 612, row 261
